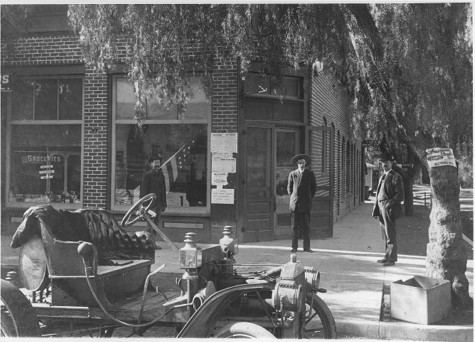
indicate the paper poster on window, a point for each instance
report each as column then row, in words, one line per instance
column 219, row 178
column 440, row 157
column 223, row 163
column 224, row 143
column 222, row 196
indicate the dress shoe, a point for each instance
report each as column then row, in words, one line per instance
column 294, row 250
column 389, row 263
column 308, row 250
column 381, row 261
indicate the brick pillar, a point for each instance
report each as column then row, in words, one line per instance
column 95, row 140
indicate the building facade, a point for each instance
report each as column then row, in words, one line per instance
column 69, row 139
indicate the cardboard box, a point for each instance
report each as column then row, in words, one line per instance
column 420, row 299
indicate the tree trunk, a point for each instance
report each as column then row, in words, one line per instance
column 408, row 179
column 446, row 255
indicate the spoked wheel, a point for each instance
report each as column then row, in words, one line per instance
column 243, row 330
column 319, row 321
column 18, row 316
column 138, row 210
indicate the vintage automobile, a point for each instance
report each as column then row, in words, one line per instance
column 84, row 273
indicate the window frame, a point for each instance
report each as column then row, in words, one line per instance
column 268, row 94
column 32, row 122
column 206, row 210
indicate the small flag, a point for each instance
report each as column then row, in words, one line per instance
column 176, row 162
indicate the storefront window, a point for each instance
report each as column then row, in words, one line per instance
column 183, row 145
column 45, row 158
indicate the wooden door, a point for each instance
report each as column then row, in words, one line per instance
column 258, row 206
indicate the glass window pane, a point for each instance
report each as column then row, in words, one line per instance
column 289, row 111
column 256, row 84
column 184, row 149
column 286, row 148
column 46, row 99
column 125, row 99
column 199, row 106
column 156, row 111
column 258, row 157
column 45, row 164
column 70, row 99
column 287, row 86
column 22, row 100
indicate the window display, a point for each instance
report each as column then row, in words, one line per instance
column 182, row 143
column 45, row 158
column 184, row 151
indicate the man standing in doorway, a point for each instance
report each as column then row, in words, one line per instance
column 301, row 187
column 153, row 181
column 387, row 208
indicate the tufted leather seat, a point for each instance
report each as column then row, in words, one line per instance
column 97, row 226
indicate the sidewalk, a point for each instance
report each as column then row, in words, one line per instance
column 349, row 272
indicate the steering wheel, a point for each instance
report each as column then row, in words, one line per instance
column 139, row 209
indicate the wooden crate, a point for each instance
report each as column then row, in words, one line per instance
column 420, row 299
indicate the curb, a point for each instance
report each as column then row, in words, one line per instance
column 402, row 331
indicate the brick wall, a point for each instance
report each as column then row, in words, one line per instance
column 329, row 100
column 43, row 50
column 96, row 116
column 224, row 102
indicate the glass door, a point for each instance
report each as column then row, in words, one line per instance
column 287, row 145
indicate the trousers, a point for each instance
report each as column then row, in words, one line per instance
column 300, row 221
column 387, row 222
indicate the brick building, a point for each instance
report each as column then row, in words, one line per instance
column 69, row 139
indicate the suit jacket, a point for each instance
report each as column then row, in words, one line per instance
column 154, row 182
column 392, row 193
column 301, row 188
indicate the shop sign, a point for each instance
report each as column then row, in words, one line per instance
column 46, row 171
column 5, row 83
column 438, row 156
column 41, row 159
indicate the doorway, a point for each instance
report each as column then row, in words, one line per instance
column 268, row 151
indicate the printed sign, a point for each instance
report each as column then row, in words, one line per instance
column 224, row 142
column 222, row 163
column 219, row 178
column 438, row 156
column 222, row 196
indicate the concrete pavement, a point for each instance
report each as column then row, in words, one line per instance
column 350, row 274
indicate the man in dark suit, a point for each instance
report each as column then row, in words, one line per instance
column 153, row 181
column 387, row 208
column 301, row 187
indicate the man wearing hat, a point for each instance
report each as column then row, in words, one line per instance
column 387, row 208
column 301, row 187
column 153, row 181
